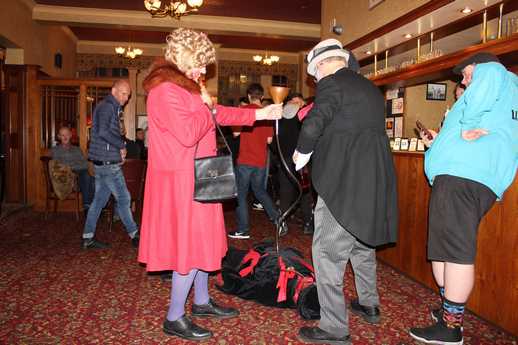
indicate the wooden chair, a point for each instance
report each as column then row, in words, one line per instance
column 51, row 195
column 134, row 171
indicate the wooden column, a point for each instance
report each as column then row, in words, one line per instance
column 83, row 109
column 130, row 110
column 34, row 173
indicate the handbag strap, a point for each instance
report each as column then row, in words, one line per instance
column 213, row 112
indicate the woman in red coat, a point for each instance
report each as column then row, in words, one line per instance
column 178, row 233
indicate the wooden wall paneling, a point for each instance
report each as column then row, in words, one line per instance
column 495, row 294
column 409, row 254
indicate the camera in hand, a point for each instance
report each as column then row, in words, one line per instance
column 423, row 129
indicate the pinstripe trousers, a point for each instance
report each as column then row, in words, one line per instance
column 333, row 247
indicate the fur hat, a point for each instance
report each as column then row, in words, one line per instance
column 325, row 49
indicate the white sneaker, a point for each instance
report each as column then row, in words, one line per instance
column 239, row 235
column 257, row 206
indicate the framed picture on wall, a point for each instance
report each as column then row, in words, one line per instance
column 398, row 106
column 142, row 124
column 142, row 121
column 436, row 92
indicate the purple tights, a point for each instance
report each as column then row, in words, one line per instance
column 180, row 287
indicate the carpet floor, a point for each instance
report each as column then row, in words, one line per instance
column 52, row 292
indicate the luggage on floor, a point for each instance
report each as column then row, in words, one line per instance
column 283, row 280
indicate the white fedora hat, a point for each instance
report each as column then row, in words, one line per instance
column 327, row 48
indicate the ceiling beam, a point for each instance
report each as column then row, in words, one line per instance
column 80, row 16
column 153, row 49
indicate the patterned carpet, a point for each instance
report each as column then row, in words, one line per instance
column 52, row 292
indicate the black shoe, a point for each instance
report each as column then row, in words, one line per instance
column 212, row 309
column 315, row 335
column 239, row 235
column 308, row 228
column 92, row 243
column 369, row 314
column 185, row 328
column 135, row 240
column 439, row 333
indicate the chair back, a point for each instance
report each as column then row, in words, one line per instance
column 134, row 171
column 45, row 162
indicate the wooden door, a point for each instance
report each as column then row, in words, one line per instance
column 13, row 125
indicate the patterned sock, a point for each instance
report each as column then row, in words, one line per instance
column 441, row 293
column 453, row 313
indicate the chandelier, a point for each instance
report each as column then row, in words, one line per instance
column 175, row 9
column 266, row 59
column 129, row 52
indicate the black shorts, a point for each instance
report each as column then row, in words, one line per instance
column 456, row 207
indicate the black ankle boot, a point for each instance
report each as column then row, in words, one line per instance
column 185, row 328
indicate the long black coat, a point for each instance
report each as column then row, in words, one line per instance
column 353, row 170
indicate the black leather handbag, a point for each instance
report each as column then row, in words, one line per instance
column 214, row 176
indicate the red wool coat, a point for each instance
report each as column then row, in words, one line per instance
column 178, row 233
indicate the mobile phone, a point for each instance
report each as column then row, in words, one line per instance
column 424, row 130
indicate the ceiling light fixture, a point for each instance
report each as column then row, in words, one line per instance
column 266, row 59
column 129, row 52
column 466, row 10
column 368, row 52
column 175, row 9
column 408, row 36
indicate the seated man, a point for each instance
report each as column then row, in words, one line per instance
column 68, row 154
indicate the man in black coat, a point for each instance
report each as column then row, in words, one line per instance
column 353, row 174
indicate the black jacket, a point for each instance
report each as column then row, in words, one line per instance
column 105, row 136
column 353, row 171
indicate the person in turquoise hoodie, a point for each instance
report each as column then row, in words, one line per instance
column 470, row 164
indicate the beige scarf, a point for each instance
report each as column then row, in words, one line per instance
column 62, row 178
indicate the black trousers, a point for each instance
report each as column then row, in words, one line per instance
column 288, row 192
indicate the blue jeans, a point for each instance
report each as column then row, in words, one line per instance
column 110, row 180
column 86, row 186
column 250, row 176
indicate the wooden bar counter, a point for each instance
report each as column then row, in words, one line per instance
column 495, row 294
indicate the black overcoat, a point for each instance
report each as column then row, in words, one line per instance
column 353, row 170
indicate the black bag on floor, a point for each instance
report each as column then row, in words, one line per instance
column 281, row 280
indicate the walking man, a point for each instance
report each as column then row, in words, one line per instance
column 107, row 152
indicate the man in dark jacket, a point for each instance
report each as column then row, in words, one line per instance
column 353, row 174
column 289, row 129
column 107, row 152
